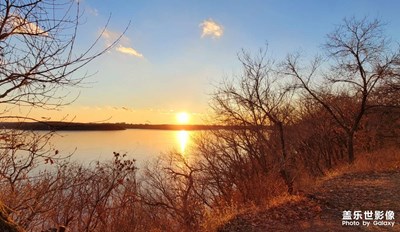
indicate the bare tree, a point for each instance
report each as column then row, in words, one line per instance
column 360, row 59
column 38, row 62
column 258, row 100
column 38, row 59
column 170, row 190
column 37, row 51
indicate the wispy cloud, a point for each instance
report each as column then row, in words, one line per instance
column 211, row 28
column 19, row 25
column 129, row 51
column 124, row 46
column 111, row 36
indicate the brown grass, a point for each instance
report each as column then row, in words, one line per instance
column 216, row 218
column 387, row 159
column 280, row 200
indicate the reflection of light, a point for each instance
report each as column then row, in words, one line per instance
column 183, row 138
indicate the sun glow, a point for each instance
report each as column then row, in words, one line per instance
column 183, row 138
column 182, row 118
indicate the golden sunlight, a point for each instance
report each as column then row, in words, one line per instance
column 183, row 138
column 182, row 118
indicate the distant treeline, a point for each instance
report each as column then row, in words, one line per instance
column 60, row 126
column 73, row 126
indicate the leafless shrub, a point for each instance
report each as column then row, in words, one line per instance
column 80, row 198
column 232, row 172
column 170, row 189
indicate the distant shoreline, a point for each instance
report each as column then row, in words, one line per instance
column 73, row 126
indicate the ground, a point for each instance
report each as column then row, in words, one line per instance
column 321, row 209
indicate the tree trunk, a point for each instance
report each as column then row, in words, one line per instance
column 350, row 148
column 284, row 160
column 287, row 179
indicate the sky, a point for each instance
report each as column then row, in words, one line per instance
column 174, row 53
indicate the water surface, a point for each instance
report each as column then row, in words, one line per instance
column 143, row 145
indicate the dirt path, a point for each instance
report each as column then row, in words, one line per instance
column 322, row 210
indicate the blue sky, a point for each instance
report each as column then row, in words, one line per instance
column 175, row 52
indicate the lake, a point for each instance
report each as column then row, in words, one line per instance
column 143, row 145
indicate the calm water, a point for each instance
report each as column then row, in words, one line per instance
column 143, row 145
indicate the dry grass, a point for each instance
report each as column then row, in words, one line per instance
column 273, row 195
column 335, row 172
column 277, row 201
column 381, row 160
column 216, row 218
column 387, row 159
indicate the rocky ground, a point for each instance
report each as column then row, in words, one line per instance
column 322, row 209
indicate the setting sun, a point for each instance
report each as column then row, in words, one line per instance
column 182, row 118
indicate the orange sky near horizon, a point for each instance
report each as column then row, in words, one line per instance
column 112, row 115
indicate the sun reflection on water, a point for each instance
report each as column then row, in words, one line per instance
column 183, row 139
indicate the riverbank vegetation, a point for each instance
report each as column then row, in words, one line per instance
column 296, row 120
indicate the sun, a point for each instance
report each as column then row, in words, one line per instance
column 182, row 117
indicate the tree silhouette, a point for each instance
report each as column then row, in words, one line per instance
column 38, row 61
column 37, row 51
column 359, row 60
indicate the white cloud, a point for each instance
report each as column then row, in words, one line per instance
column 20, row 25
column 111, row 36
column 129, row 51
column 123, row 44
column 211, row 28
